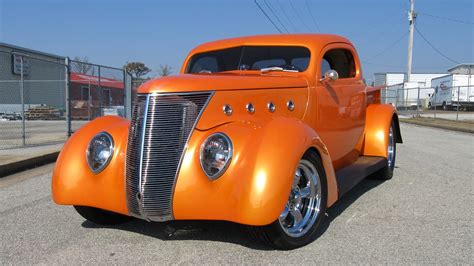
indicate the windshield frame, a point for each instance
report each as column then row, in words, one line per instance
column 192, row 57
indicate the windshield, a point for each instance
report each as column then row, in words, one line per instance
column 294, row 58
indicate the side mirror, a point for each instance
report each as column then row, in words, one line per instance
column 330, row 74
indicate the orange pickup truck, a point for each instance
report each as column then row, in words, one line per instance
column 267, row 131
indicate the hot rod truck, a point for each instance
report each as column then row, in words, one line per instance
column 267, row 131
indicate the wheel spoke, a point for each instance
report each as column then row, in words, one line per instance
column 296, row 216
column 297, row 178
column 306, row 192
column 303, row 206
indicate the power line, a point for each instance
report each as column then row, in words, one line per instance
column 390, row 46
column 298, row 14
column 312, row 17
column 286, row 15
column 275, row 15
column 434, row 48
column 446, row 18
column 266, row 15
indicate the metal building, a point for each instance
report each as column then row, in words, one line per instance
column 44, row 79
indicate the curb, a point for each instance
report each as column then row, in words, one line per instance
column 19, row 166
column 464, row 130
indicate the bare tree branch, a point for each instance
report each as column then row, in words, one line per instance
column 165, row 70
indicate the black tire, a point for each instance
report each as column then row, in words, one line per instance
column 101, row 217
column 386, row 173
column 273, row 234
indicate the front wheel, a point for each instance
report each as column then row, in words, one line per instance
column 299, row 223
column 101, row 217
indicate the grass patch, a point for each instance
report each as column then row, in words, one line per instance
column 463, row 126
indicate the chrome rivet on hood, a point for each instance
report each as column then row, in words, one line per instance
column 250, row 108
column 227, row 109
column 271, row 107
column 291, row 105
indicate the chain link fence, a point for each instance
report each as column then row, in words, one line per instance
column 96, row 90
column 44, row 99
column 452, row 103
column 32, row 102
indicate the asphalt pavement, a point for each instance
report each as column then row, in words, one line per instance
column 37, row 132
column 424, row 215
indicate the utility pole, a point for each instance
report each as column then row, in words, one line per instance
column 411, row 21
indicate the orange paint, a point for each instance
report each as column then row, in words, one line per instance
column 332, row 117
column 74, row 183
column 377, row 126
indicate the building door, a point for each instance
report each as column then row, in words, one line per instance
column 106, row 97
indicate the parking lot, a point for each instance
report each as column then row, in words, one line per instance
column 423, row 215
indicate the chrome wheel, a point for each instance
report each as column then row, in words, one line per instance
column 304, row 202
column 391, row 149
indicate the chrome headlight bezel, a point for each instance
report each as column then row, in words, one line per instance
column 111, row 148
column 227, row 161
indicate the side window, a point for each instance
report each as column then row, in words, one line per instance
column 325, row 66
column 340, row 60
column 208, row 63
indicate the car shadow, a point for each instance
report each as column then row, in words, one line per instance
column 227, row 232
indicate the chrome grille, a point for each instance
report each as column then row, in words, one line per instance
column 134, row 154
column 160, row 129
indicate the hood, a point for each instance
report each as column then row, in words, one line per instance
column 219, row 82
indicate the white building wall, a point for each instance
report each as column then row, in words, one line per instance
column 394, row 78
column 390, row 79
column 425, row 79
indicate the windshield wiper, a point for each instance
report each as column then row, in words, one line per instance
column 270, row 69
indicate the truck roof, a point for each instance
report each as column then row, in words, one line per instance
column 308, row 40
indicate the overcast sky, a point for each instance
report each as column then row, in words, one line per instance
column 163, row 32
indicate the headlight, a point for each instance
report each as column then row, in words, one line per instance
column 216, row 153
column 100, row 151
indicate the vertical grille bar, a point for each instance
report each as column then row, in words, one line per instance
column 169, row 122
column 134, row 147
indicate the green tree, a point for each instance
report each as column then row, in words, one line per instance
column 137, row 69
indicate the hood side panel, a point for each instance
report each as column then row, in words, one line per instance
column 213, row 115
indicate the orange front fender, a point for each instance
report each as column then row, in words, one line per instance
column 378, row 121
column 74, row 183
column 256, row 186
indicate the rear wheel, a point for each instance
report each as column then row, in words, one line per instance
column 386, row 173
column 299, row 222
column 102, row 217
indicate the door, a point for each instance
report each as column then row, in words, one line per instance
column 106, row 97
column 341, row 104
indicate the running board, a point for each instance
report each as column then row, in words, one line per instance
column 349, row 176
